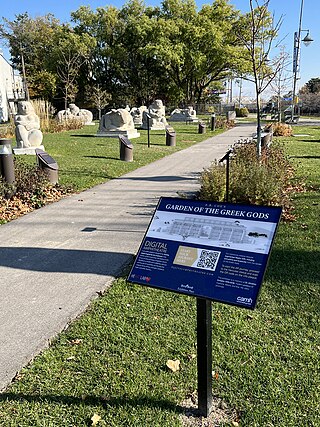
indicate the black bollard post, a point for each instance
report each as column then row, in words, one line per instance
column 213, row 122
column 6, row 161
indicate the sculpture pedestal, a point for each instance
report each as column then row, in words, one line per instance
column 157, row 126
column 29, row 150
column 132, row 133
column 183, row 119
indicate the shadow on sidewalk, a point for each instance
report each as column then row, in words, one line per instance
column 157, row 178
column 64, row 260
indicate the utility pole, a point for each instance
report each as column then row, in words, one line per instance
column 25, row 85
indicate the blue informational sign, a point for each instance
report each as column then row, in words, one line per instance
column 211, row 250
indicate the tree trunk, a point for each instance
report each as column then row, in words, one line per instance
column 258, row 126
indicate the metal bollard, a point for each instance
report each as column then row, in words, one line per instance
column 213, row 121
column 170, row 138
column 126, row 149
column 6, row 161
column 202, row 128
column 49, row 165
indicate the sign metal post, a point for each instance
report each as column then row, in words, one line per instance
column 204, row 356
column 227, row 158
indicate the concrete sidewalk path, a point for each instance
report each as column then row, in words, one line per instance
column 54, row 261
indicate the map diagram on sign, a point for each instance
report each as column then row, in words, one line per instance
column 244, row 235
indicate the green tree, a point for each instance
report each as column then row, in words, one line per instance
column 48, row 53
column 313, row 85
column 173, row 51
column 121, row 63
column 103, row 25
column 30, row 42
column 196, row 48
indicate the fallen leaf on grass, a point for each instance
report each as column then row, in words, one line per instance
column 191, row 356
column 215, row 375
column 95, row 419
column 70, row 358
column 76, row 341
column 173, row 365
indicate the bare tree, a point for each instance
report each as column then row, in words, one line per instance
column 67, row 71
column 258, row 31
column 283, row 79
column 98, row 97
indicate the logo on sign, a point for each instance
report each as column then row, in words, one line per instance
column 243, row 300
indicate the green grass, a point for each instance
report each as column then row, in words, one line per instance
column 112, row 360
column 85, row 160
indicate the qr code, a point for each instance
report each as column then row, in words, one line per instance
column 208, row 260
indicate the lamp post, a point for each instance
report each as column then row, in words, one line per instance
column 296, row 57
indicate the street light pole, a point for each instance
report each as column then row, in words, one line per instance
column 296, row 58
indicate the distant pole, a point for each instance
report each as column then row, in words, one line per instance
column 148, row 125
column 24, row 75
column 240, row 92
column 296, row 59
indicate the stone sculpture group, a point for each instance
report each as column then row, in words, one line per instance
column 122, row 121
column 183, row 115
column 117, row 122
column 136, row 113
column 155, row 116
column 75, row 113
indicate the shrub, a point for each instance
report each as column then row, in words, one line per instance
column 7, row 130
column 31, row 190
column 281, row 129
column 263, row 181
column 50, row 124
column 29, row 179
column 44, row 110
column 70, row 124
column 213, row 182
column 223, row 123
column 30, row 183
column 242, row 112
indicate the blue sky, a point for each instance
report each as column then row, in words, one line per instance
column 288, row 9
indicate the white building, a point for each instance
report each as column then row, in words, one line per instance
column 11, row 88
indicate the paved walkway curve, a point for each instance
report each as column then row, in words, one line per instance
column 54, row 261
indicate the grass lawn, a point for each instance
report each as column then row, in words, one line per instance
column 112, row 361
column 85, row 160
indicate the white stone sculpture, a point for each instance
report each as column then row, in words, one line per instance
column 136, row 113
column 184, row 115
column 117, row 122
column 156, row 113
column 76, row 113
column 28, row 133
